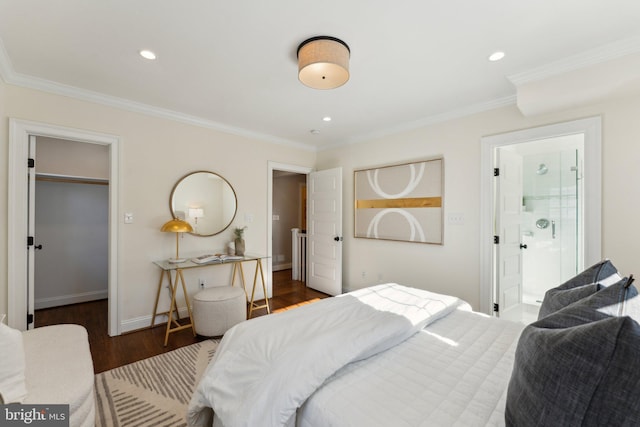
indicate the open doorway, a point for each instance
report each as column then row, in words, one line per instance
column 289, row 222
column 324, row 226
column 547, row 221
column 512, row 221
column 276, row 256
column 20, row 257
column 286, row 184
column 71, row 225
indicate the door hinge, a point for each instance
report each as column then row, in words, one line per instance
column 496, row 171
column 496, row 307
column 496, row 240
column 31, row 163
column 29, row 319
column 30, row 241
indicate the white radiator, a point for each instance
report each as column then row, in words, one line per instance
column 298, row 255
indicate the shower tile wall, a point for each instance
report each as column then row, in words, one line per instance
column 549, row 193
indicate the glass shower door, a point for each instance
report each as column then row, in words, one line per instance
column 551, row 222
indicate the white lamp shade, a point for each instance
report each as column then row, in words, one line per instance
column 323, row 62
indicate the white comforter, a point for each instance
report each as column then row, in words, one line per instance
column 265, row 368
column 453, row 373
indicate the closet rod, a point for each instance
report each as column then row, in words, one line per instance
column 71, row 180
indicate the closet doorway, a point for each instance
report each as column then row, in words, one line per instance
column 21, row 219
column 71, row 223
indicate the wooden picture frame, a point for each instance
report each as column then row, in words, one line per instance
column 401, row 202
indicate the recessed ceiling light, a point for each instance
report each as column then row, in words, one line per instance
column 496, row 56
column 314, row 131
column 147, row 54
column 326, row 119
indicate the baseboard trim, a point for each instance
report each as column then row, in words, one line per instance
column 281, row 267
column 70, row 299
column 144, row 322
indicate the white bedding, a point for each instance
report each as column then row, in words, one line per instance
column 265, row 368
column 455, row 372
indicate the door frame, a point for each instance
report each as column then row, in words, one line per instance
column 19, row 132
column 273, row 166
column 591, row 127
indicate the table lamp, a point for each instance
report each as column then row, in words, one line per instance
column 177, row 226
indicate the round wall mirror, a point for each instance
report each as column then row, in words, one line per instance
column 205, row 200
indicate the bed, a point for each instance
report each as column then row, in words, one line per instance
column 396, row 355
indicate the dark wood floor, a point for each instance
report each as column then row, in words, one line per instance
column 111, row 352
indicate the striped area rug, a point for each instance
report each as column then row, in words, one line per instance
column 152, row 392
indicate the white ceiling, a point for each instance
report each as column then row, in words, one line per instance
column 231, row 65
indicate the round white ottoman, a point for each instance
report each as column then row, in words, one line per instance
column 217, row 309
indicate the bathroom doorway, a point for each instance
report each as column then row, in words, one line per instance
column 549, row 219
column 540, row 212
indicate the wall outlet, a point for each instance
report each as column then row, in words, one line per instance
column 280, row 257
column 201, row 283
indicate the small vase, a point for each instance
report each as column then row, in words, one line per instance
column 239, row 247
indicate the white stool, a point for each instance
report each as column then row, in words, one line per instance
column 217, row 309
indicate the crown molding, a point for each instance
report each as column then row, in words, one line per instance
column 431, row 120
column 8, row 74
column 589, row 58
column 11, row 77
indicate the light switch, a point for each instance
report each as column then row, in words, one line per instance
column 128, row 218
column 276, row 217
column 456, row 218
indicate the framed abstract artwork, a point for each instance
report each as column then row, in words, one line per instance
column 401, row 202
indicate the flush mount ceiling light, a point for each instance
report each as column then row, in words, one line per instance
column 323, row 62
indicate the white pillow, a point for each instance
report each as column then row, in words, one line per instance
column 13, row 388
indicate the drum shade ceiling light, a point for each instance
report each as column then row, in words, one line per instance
column 323, row 62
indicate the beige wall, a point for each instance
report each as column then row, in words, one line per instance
column 454, row 268
column 70, row 158
column 154, row 154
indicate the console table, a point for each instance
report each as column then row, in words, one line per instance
column 166, row 269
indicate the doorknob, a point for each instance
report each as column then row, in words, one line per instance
column 38, row 246
column 337, row 238
column 523, row 246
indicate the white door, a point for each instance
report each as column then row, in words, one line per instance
column 31, row 233
column 508, row 227
column 324, row 231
